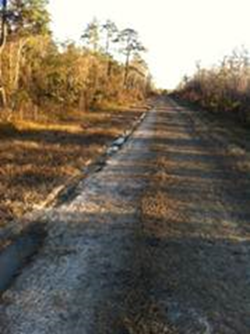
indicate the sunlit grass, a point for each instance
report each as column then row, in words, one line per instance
column 37, row 157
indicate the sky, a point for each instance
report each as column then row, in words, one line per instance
column 177, row 33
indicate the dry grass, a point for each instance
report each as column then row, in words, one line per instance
column 37, row 157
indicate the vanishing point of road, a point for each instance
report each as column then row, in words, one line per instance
column 156, row 242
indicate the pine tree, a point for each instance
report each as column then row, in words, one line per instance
column 91, row 35
column 130, row 44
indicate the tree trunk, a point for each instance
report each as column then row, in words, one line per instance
column 21, row 44
column 3, row 100
column 126, row 69
column 2, row 45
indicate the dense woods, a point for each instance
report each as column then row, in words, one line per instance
column 37, row 75
column 224, row 89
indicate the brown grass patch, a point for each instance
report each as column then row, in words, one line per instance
column 37, row 157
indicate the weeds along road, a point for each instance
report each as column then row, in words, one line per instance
column 157, row 242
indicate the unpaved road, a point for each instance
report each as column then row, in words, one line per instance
column 157, row 242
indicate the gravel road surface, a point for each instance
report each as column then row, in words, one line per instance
column 156, row 242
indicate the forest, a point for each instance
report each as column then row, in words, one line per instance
column 223, row 89
column 39, row 75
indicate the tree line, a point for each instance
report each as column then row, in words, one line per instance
column 224, row 88
column 105, row 65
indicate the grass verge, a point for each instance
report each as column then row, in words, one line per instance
column 36, row 158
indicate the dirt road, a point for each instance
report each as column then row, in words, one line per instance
column 156, row 242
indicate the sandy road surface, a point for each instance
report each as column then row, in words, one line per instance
column 157, row 242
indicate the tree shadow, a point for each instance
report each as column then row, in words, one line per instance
column 181, row 280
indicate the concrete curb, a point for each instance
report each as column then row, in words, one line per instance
column 17, row 253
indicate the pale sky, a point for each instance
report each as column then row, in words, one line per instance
column 177, row 33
